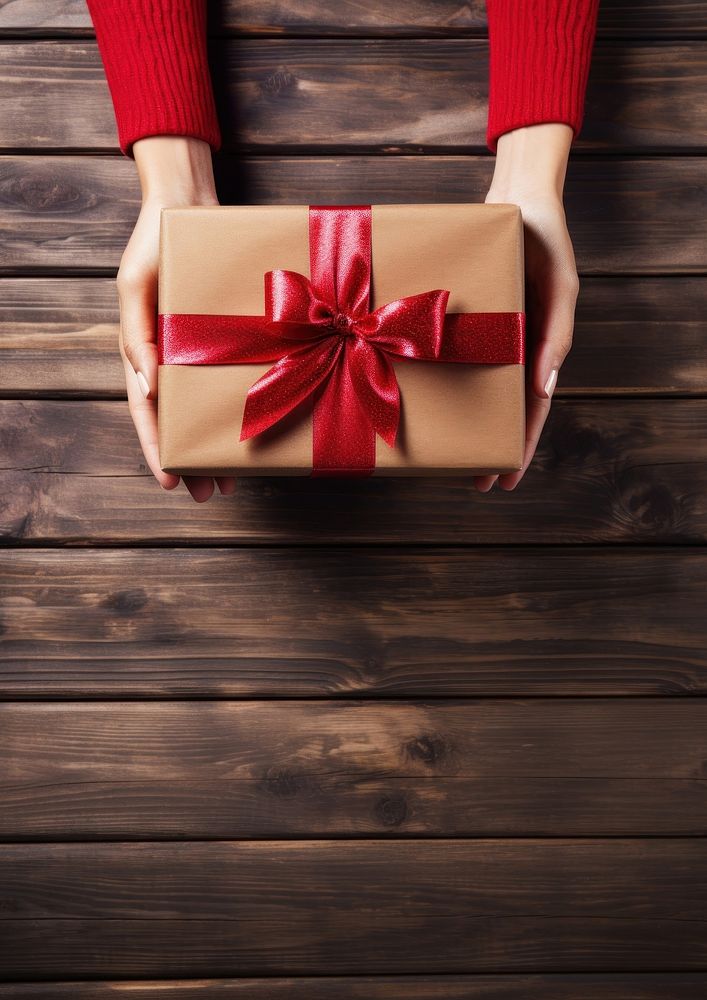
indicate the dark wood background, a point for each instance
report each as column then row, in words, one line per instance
column 356, row 739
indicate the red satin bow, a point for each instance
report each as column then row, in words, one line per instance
column 328, row 318
column 328, row 343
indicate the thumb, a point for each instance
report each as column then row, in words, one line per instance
column 138, row 327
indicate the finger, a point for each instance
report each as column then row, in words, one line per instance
column 537, row 412
column 200, row 487
column 144, row 415
column 555, row 332
column 551, row 324
column 138, row 323
column 226, row 484
column 484, row 483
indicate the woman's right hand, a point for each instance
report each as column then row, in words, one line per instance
column 174, row 171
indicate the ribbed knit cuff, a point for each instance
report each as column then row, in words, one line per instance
column 156, row 64
column 539, row 59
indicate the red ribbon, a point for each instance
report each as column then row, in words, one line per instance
column 326, row 341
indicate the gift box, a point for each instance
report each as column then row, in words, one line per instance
column 341, row 340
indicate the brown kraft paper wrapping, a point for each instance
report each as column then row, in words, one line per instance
column 456, row 418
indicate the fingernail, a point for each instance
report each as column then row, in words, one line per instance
column 550, row 384
column 142, row 382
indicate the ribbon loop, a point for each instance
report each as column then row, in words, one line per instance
column 291, row 301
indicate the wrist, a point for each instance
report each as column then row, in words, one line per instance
column 175, row 170
column 531, row 161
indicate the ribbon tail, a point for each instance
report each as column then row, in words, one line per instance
column 290, row 380
column 343, row 437
column 376, row 385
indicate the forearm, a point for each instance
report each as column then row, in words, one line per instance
column 175, row 170
column 532, row 161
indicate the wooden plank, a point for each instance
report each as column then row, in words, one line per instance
column 591, row 986
column 443, row 17
column 248, row 908
column 673, row 18
column 258, row 769
column 62, row 214
column 66, row 213
column 362, row 95
column 616, row 471
column 342, row 622
column 59, row 337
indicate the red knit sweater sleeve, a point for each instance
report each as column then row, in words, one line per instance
column 155, row 60
column 539, row 57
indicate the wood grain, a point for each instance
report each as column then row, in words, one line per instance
column 443, row 17
column 456, row 906
column 59, row 337
column 346, row 622
column 592, row 986
column 362, row 95
column 375, row 739
column 672, row 18
column 67, row 214
column 257, row 769
column 609, row 471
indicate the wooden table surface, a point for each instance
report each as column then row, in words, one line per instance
column 383, row 740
